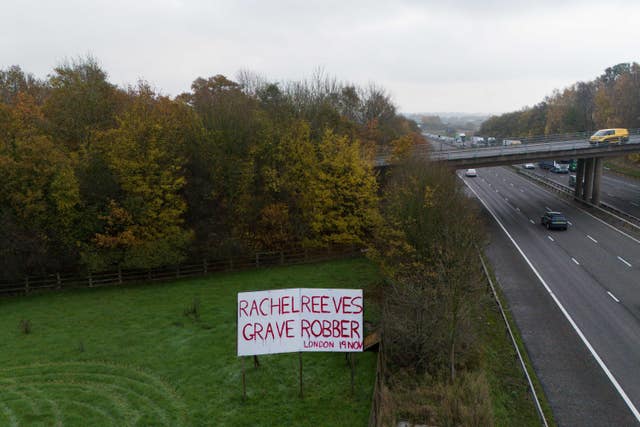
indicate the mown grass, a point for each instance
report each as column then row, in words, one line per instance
column 130, row 356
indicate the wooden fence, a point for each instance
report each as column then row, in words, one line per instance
column 57, row 281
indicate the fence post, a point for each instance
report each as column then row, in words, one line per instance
column 281, row 257
column 58, row 281
column 119, row 275
column 204, row 266
column 230, row 263
column 26, row 285
column 90, row 280
column 306, row 254
column 178, row 271
column 257, row 259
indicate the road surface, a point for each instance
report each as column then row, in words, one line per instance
column 576, row 299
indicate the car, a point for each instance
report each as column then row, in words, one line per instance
column 529, row 166
column 610, row 136
column 572, row 180
column 545, row 164
column 471, row 173
column 552, row 219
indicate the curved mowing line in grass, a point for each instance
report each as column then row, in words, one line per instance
column 114, row 394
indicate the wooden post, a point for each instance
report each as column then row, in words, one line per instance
column 353, row 373
column 281, row 257
column 26, row 285
column 178, row 271
column 300, row 366
column 58, row 281
column 257, row 259
column 204, row 266
column 244, row 382
column 119, row 275
column 90, row 280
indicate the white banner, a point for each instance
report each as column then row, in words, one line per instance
column 307, row 319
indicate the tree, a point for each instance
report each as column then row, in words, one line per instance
column 81, row 102
column 144, row 227
column 341, row 202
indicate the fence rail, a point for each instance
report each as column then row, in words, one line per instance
column 68, row 280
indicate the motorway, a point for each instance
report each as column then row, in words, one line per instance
column 619, row 192
column 575, row 296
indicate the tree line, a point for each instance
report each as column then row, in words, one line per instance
column 96, row 176
column 611, row 100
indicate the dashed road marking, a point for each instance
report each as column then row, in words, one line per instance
column 594, row 240
column 521, row 190
column 613, row 296
column 531, row 221
column 569, row 222
column 575, row 260
column 624, row 261
column 566, row 314
column 518, row 209
column 548, row 208
column 550, row 238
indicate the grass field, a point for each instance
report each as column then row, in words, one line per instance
column 130, row 356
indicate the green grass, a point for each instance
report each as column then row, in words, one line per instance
column 129, row 356
column 512, row 401
column 623, row 166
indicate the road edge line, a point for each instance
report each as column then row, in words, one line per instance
column 584, row 339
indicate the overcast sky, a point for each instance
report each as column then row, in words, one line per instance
column 464, row 56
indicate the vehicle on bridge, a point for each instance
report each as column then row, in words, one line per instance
column 511, row 142
column 610, row 136
column 572, row 180
column 529, row 166
column 471, row 173
column 573, row 166
column 554, row 220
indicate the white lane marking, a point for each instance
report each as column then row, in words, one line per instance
column 624, row 261
column 518, row 209
column 569, row 222
column 497, row 191
column 548, row 208
column 531, row 221
column 583, row 211
column 613, row 296
column 521, row 190
column 566, row 314
column 511, row 184
column 594, row 240
column 575, row 260
column 610, row 195
column 550, row 238
column 506, row 198
column 635, row 204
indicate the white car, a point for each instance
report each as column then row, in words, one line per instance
column 471, row 172
column 529, row 166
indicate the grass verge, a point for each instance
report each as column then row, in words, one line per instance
column 512, row 401
column 136, row 355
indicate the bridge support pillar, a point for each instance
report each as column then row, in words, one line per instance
column 597, row 177
column 579, row 179
column 588, row 179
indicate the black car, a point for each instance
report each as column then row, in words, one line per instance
column 554, row 220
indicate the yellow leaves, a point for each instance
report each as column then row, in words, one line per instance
column 428, row 197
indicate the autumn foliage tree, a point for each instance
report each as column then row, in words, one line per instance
column 96, row 176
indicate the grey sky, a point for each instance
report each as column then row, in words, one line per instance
column 489, row 56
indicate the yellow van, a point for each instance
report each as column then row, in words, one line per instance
column 611, row 136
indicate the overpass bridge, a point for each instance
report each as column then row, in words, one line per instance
column 571, row 146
